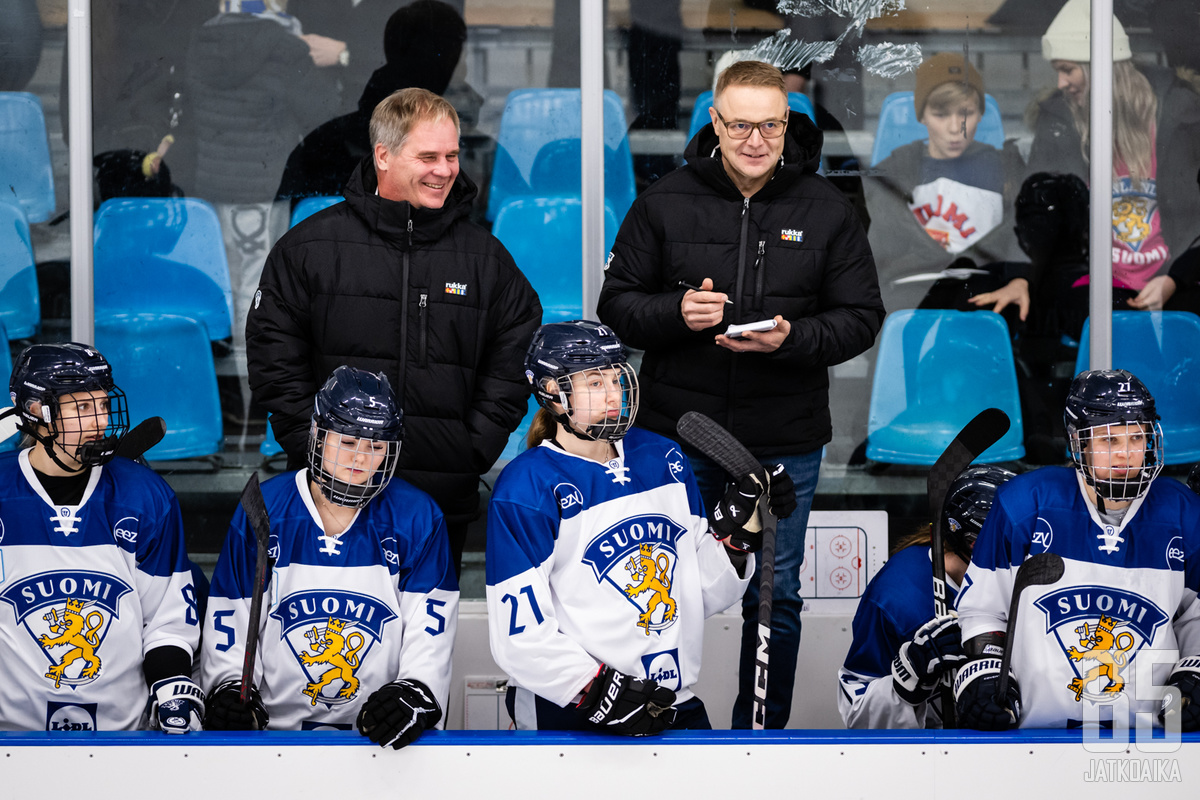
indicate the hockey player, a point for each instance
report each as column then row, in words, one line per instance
column 600, row 564
column 1126, row 601
column 358, row 630
column 900, row 650
column 96, row 598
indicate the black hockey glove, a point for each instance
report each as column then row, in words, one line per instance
column 975, row 689
column 781, row 498
column 226, row 712
column 1186, row 678
column 626, row 705
column 397, row 713
column 176, row 705
column 935, row 648
column 734, row 519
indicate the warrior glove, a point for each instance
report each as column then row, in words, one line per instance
column 176, row 705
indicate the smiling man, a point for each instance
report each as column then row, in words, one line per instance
column 749, row 222
column 398, row 280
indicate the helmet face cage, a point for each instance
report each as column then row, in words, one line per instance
column 1119, row 460
column 350, row 470
column 968, row 501
column 597, row 403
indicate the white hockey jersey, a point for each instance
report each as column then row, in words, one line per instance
column 344, row 614
column 1126, row 601
column 591, row 563
column 85, row 592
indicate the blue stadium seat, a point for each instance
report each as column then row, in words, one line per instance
column 934, row 372
column 311, row 205
column 163, row 256
column 270, row 445
column 516, row 441
column 6, row 369
column 534, row 118
column 25, row 155
column 545, row 235
column 1163, row 349
column 20, row 308
column 797, row 101
column 164, row 365
column 898, row 125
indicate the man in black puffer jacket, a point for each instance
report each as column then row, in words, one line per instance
column 749, row 222
column 398, row 280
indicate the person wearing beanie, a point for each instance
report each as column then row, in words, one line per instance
column 1156, row 149
column 946, row 199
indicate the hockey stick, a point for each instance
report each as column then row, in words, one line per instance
column 145, row 435
column 719, row 444
column 256, row 515
column 1037, row 570
column 987, row 428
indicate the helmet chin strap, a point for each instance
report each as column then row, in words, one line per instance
column 48, row 444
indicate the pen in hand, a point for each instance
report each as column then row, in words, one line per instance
column 686, row 285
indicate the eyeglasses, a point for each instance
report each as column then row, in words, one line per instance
column 770, row 129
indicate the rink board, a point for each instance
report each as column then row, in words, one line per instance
column 471, row 764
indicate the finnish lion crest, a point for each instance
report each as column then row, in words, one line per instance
column 79, row 632
column 637, row 557
column 1107, row 649
column 653, row 575
column 333, row 648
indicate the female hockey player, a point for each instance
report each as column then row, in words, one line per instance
column 97, row 596
column 600, row 566
column 1131, row 550
column 900, row 650
column 358, row 620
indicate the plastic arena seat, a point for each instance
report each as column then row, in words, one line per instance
column 20, row 308
column 270, row 445
column 164, row 365
column 797, row 101
column 534, row 118
column 556, row 171
column 6, row 366
column 934, row 372
column 898, row 125
column 545, row 235
column 516, row 441
column 1162, row 348
column 25, row 173
column 163, row 256
column 311, row 205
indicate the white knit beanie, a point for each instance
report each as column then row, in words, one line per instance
column 1069, row 36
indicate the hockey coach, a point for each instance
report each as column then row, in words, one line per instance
column 747, row 232
column 398, row 280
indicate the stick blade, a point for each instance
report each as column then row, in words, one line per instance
column 717, row 443
column 145, row 435
column 987, row 428
column 1041, row 569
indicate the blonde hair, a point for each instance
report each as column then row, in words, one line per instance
column 398, row 113
column 1134, row 109
column 948, row 95
column 542, row 428
column 750, row 73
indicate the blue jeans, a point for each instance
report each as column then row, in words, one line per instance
column 786, row 604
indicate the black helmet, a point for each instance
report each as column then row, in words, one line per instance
column 358, row 405
column 1098, row 399
column 45, row 373
column 968, row 501
column 562, row 349
column 1052, row 218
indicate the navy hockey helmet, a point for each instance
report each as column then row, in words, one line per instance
column 968, row 501
column 557, row 366
column 1101, row 404
column 354, row 442
column 43, row 376
column 1052, row 217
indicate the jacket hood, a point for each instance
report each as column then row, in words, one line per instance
column 390, row 218
column 230, row 48
column 801, row 153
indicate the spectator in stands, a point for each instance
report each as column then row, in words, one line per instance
column 397, row 280
column 1156, row 148
column 946, row 201
column 423, row 42
column 749, row 221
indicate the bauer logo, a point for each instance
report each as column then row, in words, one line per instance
column 790, row 235
column 637, row 558
column 663, row 668
column 459, row 289
column 1100, row 631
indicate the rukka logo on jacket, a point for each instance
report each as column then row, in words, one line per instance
column 457, row 288
column 637, row 558
column 68, row 613
column 790, row 235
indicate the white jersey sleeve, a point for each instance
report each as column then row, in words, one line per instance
column 867, row 703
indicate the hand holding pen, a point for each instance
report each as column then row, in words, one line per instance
column 702, row 308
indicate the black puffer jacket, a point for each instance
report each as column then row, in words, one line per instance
column 423, row 295
column 796, row 248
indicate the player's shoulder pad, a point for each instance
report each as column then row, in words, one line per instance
column 127, row 475
column 526, row 478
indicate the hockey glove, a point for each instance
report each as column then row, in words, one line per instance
column 1186, row 678
column 626, row 705
column 935, row 648
column 397, row 713
column 176, row 705
column 734, row 519
column 781, row 498
column 226, row 712
column 975, row 698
